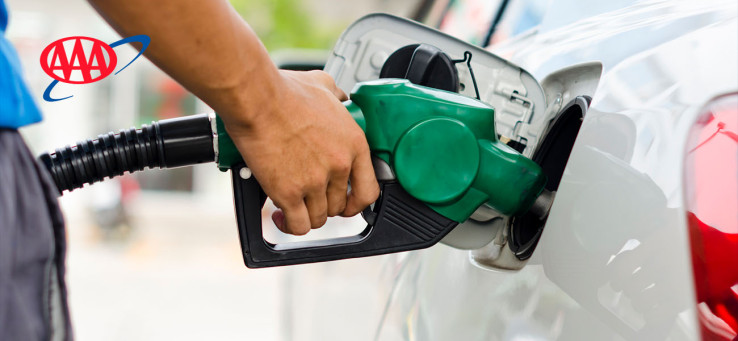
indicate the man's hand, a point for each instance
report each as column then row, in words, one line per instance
column 303, row 147
column 290, row 127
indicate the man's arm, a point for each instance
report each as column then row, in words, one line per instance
column 290, row 127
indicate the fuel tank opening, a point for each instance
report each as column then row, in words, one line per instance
column 552, row 155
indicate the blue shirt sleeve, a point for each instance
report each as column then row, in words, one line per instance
column 17, row 107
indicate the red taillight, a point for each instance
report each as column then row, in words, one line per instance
column 711, row 183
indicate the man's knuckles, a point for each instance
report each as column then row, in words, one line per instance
column 318, row 219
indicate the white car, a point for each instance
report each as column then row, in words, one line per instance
column 632, row 110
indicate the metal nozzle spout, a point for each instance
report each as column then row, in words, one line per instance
column 542, row 205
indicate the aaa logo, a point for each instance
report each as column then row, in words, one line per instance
column 82, row 60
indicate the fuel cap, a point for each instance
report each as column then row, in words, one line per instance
column 422, row 64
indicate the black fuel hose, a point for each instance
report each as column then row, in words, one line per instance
column 167, row 143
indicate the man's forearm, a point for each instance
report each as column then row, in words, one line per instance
column 205, row 46
column 290, row 127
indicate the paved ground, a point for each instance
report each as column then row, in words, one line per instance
column 179, row 275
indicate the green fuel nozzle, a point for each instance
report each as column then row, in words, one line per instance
column 441, row 146
column 444, row 149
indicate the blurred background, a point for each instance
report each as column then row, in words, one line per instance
column 155, row 255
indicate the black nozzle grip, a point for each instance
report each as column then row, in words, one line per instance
column 401, row 223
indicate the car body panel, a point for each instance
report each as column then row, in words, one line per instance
column 614, row 260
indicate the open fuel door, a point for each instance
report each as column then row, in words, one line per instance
column 381, row 45
column 363, row 49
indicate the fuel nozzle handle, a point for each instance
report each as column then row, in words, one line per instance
column 437, row 159
column 167, row 143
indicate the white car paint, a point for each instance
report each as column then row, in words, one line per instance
column 613, row 262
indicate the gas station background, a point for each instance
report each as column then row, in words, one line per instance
column 155, row 255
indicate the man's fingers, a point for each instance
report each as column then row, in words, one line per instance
column 364, row 187
column 294, row 220
column 339, row 93
column 337, row 191
column 331, row 85
column 317, row 206
column 328, row 81
column 278, row 219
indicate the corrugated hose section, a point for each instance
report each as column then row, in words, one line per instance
column 163, row 144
